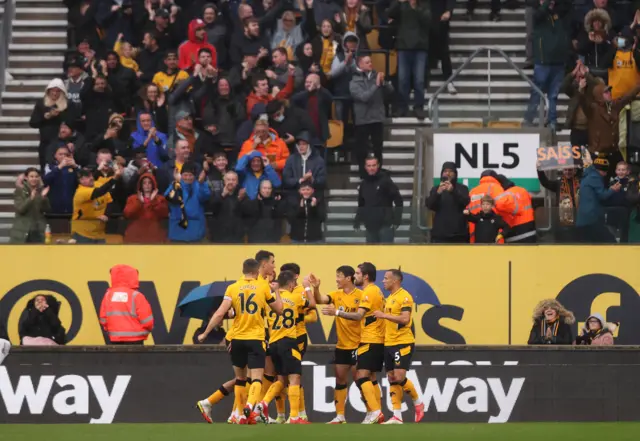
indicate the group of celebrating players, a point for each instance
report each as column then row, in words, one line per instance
column 372, row 332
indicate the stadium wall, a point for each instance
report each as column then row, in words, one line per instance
column 457, row 383
column 464, row 295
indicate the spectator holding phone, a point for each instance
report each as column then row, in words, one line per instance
column 448, row 200
column 41, row 325
column 30, row 202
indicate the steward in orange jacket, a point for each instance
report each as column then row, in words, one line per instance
column 488, row 185
column 516, row 208
column 125, row 313
column 266, row 141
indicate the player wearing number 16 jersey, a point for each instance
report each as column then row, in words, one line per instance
column 284, row 348
column 250, row 298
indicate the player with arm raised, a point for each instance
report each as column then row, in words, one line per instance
column 249, row 298
column 345, row 299
column 399, row 343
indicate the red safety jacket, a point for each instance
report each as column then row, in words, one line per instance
column 125, row 313
column 516, row 208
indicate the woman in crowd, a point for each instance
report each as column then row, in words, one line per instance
column 146, row 211
column 30, row 204
column 355, row 18
column 41, row 325
column 551, row 324
column 597, row 332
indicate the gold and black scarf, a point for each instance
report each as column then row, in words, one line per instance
column 176, row 196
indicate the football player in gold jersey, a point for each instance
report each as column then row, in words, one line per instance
column 249, row 298
column 345, row 299
column 399, row 343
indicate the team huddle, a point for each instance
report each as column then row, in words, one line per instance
column 268, row 340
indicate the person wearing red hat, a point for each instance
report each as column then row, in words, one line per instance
column 188, row 51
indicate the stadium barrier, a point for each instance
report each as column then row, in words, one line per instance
column 464, row 295
column 457, row 384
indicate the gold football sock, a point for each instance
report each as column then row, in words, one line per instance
column 408, row 387
column 396, row 396
column 378, row 393
column 267, row 381
column 340, row 397
column 280, row 402
column 240, row 391
column 369, row 393
column 254, row 393
column 302, row 406
column 294, row 401
column 273, row 391
column 217, row 395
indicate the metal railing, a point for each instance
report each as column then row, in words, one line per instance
column 433, row 111
column 6, row 24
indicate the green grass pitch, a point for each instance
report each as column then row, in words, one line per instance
column 323, row 432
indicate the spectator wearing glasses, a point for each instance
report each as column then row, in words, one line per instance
column 597, row 332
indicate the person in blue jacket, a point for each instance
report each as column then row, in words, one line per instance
column 590, row 224
column 148, row 137
column 187, row 201
column 62, row 179
column 253, row 169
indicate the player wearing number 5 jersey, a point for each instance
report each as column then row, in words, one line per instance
column 399, row 343
column 250, row 298
column 284, row 348
column 345, row 299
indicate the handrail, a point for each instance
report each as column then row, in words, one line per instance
column 433, row 115
column 6, row 25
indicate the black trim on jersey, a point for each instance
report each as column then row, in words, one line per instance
column 406, row 308
column 362, row 307
column 330, row 299
column 271, row 300
column 369, row 320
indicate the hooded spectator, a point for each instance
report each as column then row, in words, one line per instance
column 288, row 121
column 576, row 118
column 567, row 192
column 187, row 199
column 216, row 30
column 448, row 200
column 594, row 43
column 305, row 165
column 261, row 93
column 146, row 211
column 551, row 32
column 355, row 18
column 30, row 203
column 123, row 82
column 74, row 141
column 278, row 73
column 168, row 77
column 343, row 68
column 413, row 19
column 61, row 177
column 593, row 194
column 188, row 51
column 153, row 101
column 368, row 88
column 226, row 226
column 98, row 104
column 147, row 137
column 597, row 332
column 266, row 142
column 289, row 35
column 325, row 44
column 306, row 216
column 167, row 171
column 41, row 325
column 185, row 130
column 317, row 102
column 125, row 313
column 379, row 204
column 223, row 113
column 150, row 57
column 254, row 168
column 264, row 214
column 551, row 324
column 250, row 40
column 49, row 113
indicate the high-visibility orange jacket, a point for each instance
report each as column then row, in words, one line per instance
column 125, row 313
column 488, row 185
column 516, row 208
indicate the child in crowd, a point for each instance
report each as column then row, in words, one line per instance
column 216, row 166
column 127, row 53
column 490, row 227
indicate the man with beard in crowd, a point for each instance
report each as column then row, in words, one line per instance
column 448, row 200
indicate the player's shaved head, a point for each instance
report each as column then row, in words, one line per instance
column 293, row 267
column 250, row 266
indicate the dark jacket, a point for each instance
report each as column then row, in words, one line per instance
column 449, row 223
column 97, row 107
column 570, row 87
column 306, row 221
column 296, row 166
column 42, row 324
column 325, row 103
column 488, row 226
column 62, row 185
column 226, row 224
column 413, row 25
column 368, row 97
column 124, row 83
column 81, row 152
column 341, row 71
column 295, row 121
column 593, row 194
column 565, row 218
column 149, row 63
column 550, row 34
column 263, row 219
column 377, row 196
column 226, row 113
column 240, row 43
column 564, row 335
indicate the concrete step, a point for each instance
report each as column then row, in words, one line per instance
column 37, row 71
column 359, row 239
column 40, row 24
column 14, row 144
column 345, row 217
column 45, row 48
column 456, row 47
column 17, row 155
column 346, row 193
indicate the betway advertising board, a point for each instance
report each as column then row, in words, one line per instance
column 470, row 384
column 511, row 154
